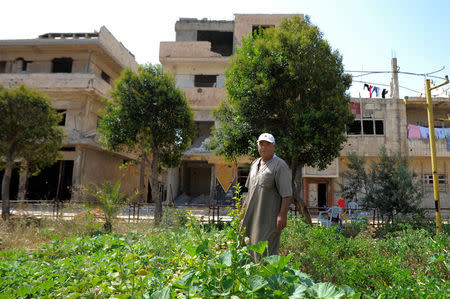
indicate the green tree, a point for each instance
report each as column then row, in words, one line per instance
column 286, row 80
column 148, row 114
column 388, row 185
column 28, row 131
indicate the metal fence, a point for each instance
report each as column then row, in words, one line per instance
column 211, row 213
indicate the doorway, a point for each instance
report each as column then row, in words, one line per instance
column 321, row 195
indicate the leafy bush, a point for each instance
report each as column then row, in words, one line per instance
column 404, row 264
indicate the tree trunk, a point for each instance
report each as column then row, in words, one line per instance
column 155, row 187
column 142, row 177
column 5, row 187
column 300, row 204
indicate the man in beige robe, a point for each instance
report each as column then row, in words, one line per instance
column 269, row 195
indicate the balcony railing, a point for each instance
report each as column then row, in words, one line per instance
column 56, row 81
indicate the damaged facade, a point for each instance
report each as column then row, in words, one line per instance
column 198, row 59
column 75, row 70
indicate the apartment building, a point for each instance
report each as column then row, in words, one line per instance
column 75, row 70
column 198, row 59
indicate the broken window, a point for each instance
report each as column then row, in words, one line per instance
column 256, row 29
column 366, row 127
column 63, row 113
column 106, row 77
column 221, row 42
column 2, row 67
column 62, row 65
column 205, row 80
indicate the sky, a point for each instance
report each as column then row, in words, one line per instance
column 366, row 33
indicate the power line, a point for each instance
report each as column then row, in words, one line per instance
column 365, row 73
column 379, row 84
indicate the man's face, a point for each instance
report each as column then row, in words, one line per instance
column 266, row 149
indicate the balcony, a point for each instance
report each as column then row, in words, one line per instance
column 204, row 98
column 56, row 81
column 177, row 52
column 421, row 147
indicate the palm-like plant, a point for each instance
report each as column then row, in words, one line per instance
column 109, row 199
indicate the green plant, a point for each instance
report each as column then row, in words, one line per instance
column 109, row 199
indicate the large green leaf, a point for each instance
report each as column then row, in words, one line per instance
column 256, row 283
column 326, row 290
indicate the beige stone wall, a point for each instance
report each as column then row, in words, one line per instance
column 243, row 23
column 100, row 166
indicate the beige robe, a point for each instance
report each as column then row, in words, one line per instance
column 266, row 189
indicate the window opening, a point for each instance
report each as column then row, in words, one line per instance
column 259, row 28
column 368, row 128
column 221, row 42
column 205, row 80
column 63, row 113
column 379, row 127
column 355, row 128
column 106, row 77
column 2, row 67
column 62, row 65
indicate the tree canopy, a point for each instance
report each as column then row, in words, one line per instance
column 28, row 131
column 285, row 80
column 387, row 185
column 148, row 114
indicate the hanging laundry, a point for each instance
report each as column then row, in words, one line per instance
column 366, row 86
column 424, row 132
column 375, row 90
column 383, row 93
column 440, row 133
column 370, row 90
column 413, row 132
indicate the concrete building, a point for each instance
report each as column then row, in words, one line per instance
column 75, row 70
column 198, row 59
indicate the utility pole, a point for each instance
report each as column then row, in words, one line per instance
column 429, row 105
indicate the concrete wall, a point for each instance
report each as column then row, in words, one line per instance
column 243, row 23
column 186, row 28
column 100, row 166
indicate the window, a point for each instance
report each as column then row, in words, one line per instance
column 205, row 80
column 221, row 42
column 256, row 28
column 106, row 77
column 63, row 112
column 2, row 67
column 366, row 127
column 427, row 181
column 68, row 149
column 62, row 65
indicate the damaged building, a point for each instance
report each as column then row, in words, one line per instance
column 75, row 70
column 198, row 59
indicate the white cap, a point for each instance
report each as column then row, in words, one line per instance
column 267, row 137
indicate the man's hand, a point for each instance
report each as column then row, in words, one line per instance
column 281, row 221
column 282, row 216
